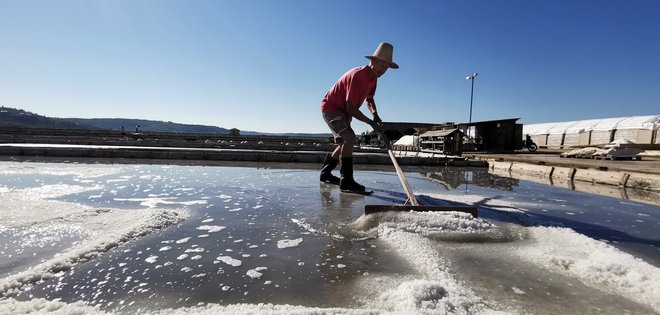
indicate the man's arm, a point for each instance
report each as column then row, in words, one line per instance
column 353, row 111
column 371, row 104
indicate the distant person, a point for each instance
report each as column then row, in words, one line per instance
column 137, row 129
column 123, row 132
column 342, row 103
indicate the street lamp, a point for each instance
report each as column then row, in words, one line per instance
column 471, row 78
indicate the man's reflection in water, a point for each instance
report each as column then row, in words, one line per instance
column 344, row 259
column 335, row 214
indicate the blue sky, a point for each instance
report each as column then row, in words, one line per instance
column 265, row 65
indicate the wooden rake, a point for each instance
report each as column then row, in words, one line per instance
column 411, row 203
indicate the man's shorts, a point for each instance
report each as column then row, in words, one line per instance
column 339, row 125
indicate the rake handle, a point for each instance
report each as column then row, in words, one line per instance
column 399, row 172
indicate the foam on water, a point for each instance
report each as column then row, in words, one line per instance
column 155, row 202
column 254, row 274
column 229, row 261
column 151, row 259
column 286, row 243
column 183, row 240
column 211, row 228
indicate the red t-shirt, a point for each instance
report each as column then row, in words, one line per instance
column 353, row 87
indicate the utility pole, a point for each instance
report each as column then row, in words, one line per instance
column 471, row 78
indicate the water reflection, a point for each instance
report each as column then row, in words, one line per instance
column 452, row 178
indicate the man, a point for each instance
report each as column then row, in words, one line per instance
column 342, row 103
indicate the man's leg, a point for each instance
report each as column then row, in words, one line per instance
column 347, row 183
column 337, row 152
column 329, row 164
column 347, row 146
column 337, row 124
column 345, row 137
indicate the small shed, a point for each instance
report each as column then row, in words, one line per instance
column 234, row 132
column 492, row 135
column 447, row 141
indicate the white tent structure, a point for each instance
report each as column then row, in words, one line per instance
column 637, row 129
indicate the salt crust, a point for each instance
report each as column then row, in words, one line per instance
column 595, row 263
column 82, row 171
column 433, row 290
column 43, row 306
column 430, row 224
column 103, row 229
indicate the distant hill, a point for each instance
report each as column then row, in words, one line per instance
column 146, row 125
column 12, row 117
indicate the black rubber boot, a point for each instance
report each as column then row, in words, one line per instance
column 329, row 164
column 347, row 183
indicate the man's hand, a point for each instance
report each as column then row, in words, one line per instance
column 377, row 119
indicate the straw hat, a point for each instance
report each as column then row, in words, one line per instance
column 384, row 52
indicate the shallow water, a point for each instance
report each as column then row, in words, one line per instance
column 271, row 235
column 625, row 224
column 33, row 245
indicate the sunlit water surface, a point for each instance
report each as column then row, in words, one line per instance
column 277, row 235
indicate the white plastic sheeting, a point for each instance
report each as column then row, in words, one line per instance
column 649, row 122
column 561, row 127
column 640, row 122
column 537, row 129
